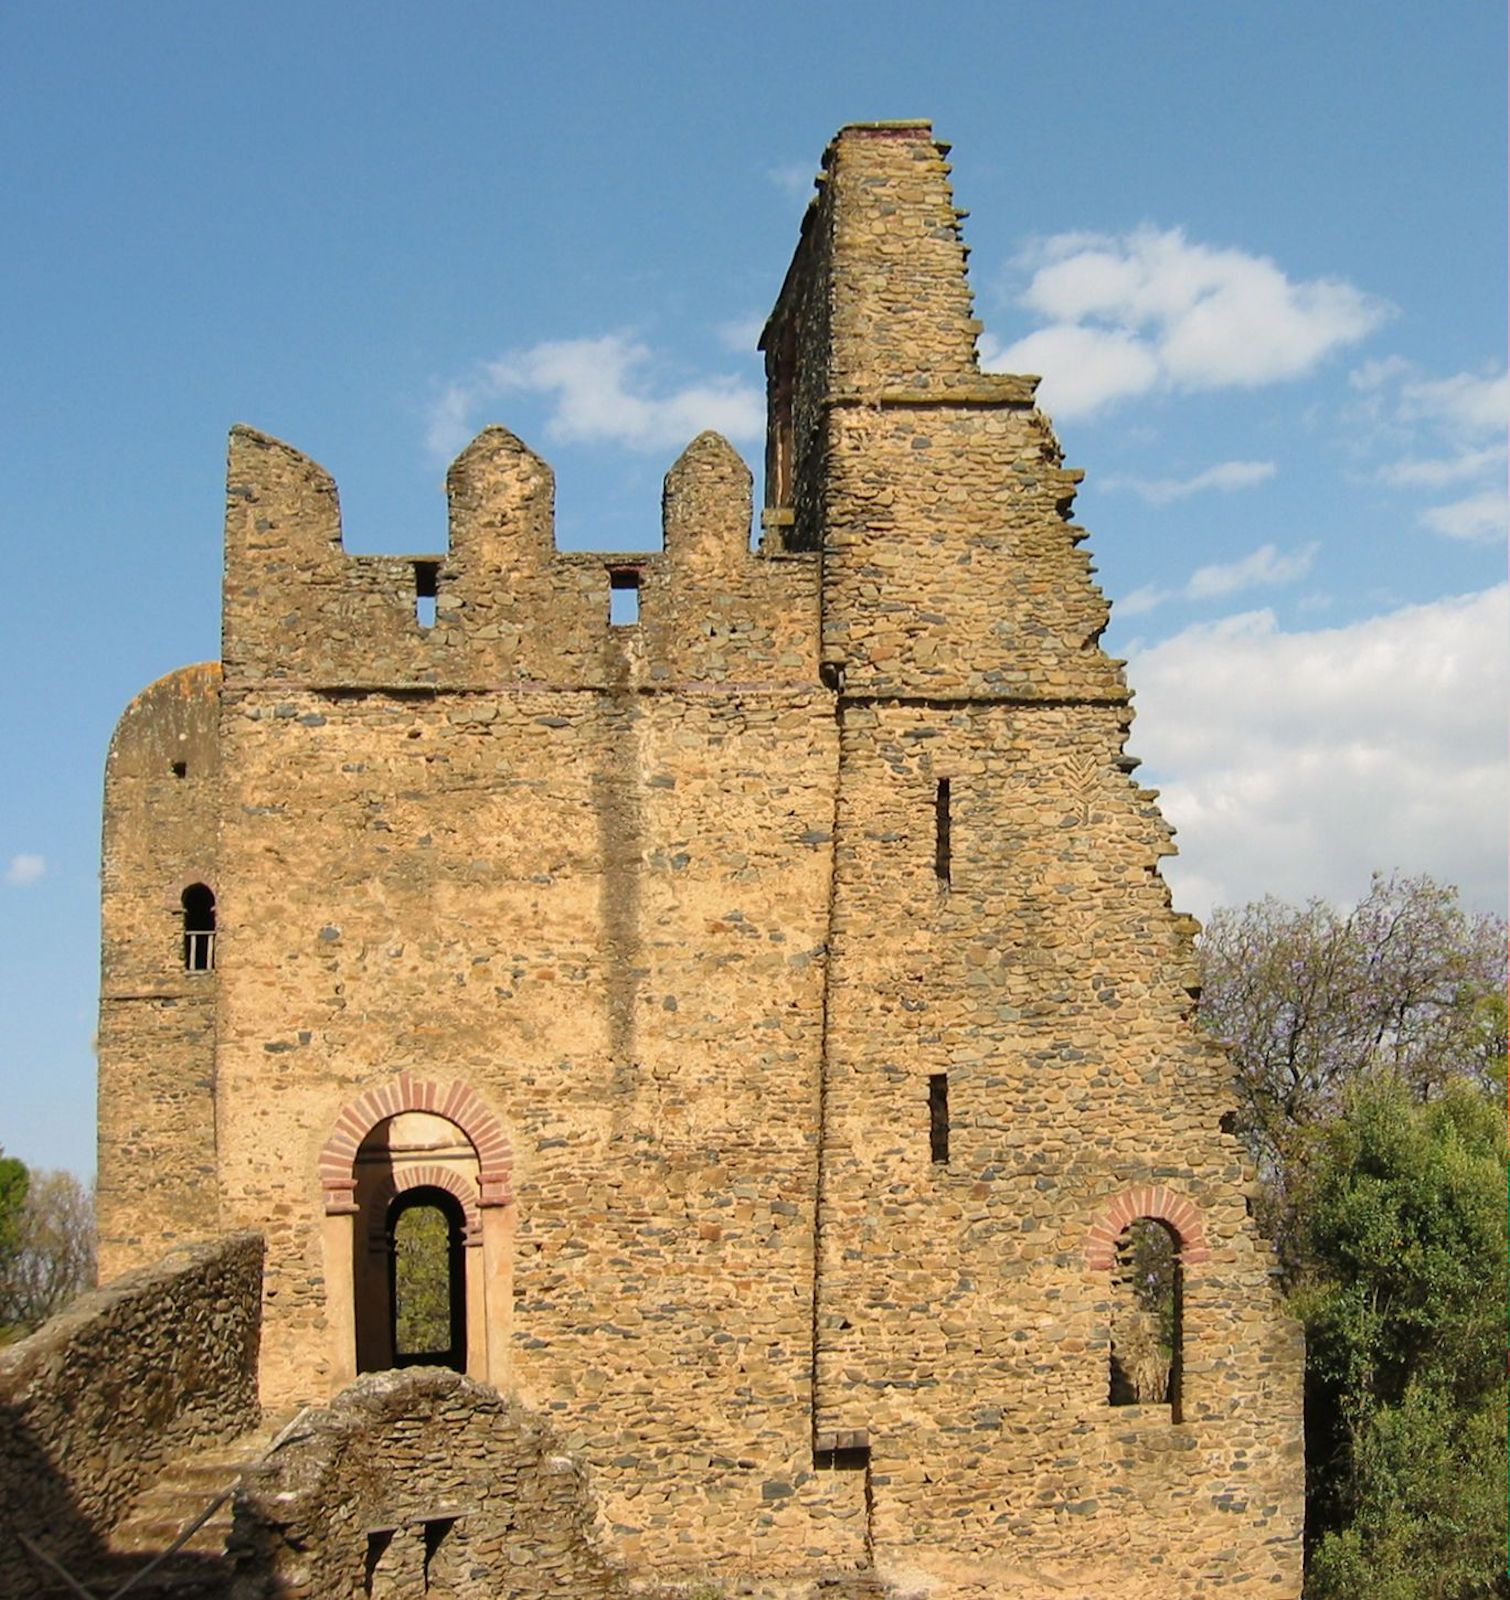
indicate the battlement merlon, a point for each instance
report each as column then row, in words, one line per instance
column 502, row 605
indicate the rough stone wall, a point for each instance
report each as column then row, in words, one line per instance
column 157, row 1019
column 665, row 910
column 415, row 1483
column 159, row 1363
column 1035, row 967
column 583, row 869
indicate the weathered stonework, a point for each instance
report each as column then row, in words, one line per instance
column 658, row 949
column 157, row 1364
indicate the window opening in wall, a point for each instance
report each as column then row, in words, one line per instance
column 853, row 1458
column 427, row 1283
column 180, row 769
column 435, row 1530
column 1146, row 1317
column 781, row 383
column 624, row 597
column 938, row 1116
column 943, row 865
column 378, row 1540
column 426, row 587
column 198, row 903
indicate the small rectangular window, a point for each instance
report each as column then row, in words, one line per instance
column 180, row 769
column 938, row 1116
column 624, row 597
column 943, row 865
column 426, row 587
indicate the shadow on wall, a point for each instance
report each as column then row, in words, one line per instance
column 93, row 1406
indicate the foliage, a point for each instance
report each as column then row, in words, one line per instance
column 53, row 1256
column 1369, row 1055
column 422, row 1282
column 1408, row 986
column 14, row 1180
column 1403, row 1302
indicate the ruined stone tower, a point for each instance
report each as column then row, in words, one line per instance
column 773, row 988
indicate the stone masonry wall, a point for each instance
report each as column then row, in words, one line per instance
column 157, row 1019
column 415, row 1483
column 1011, row 940
column 92, row 1405
column 798, row 953
column 582, row 869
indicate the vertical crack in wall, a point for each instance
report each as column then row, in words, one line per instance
column 616, row 804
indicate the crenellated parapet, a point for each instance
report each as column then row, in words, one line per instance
column 502, row 606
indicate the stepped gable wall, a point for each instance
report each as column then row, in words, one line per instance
column 94, row 1404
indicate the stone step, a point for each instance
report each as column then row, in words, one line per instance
column 183, row 1490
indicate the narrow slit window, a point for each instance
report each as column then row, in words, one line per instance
column 938, row 1116
column 198, row 902
column 624, row 597
column 943, row 864
column 426, row 587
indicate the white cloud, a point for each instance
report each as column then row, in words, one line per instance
column 1296, row 763
column 1437, row 472
column 1264, row 567
column 1479, row 518
column 1466, row 402
column 1226, row 476
column 742, row 334
column 1462, row 417
column 25, row 869
column 1132, row 312
column 1083, row 369
column 794, row 178
column 600, row 390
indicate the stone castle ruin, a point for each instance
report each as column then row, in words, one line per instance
column 756, row 958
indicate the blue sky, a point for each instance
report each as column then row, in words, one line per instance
column 1258, row 251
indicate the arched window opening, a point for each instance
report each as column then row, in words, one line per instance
column 427, row 1280
column 1146, row 1315
column 198, row 903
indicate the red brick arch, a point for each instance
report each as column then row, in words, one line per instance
column 457, row 1102
column 431, row 1175
column 1164, row 1205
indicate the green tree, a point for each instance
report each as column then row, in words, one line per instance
column 1403, row 1226
column 1369, row 1056
column 14, row 1179
column 1313, row 1000
column 52, row 1259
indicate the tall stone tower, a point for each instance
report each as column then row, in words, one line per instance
column 758, row 959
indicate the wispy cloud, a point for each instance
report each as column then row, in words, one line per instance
column 1126, row 314
column 606, row 390
column 1226, row 476
column 741, row 334
column 1265, row 567
column 794, row 178
column 25, row 869
column 1463, row 417
column 1376, row 745
column 1476, row 518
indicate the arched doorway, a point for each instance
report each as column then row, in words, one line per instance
column 418, row 1214
column 427, row 1279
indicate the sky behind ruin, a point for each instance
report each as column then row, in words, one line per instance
column 1257, row 251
